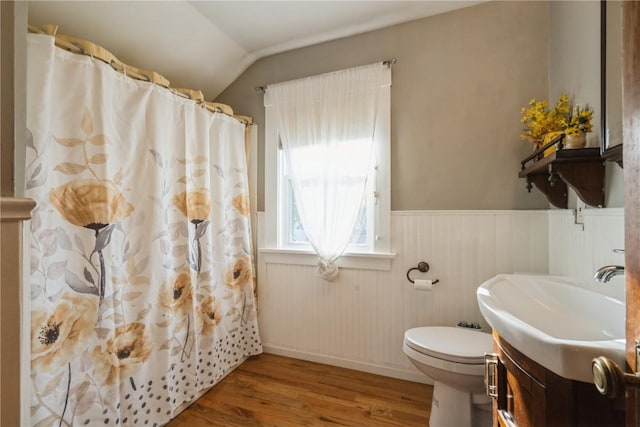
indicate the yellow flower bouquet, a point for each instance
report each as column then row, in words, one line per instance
column 579, row 120
column 542, row 124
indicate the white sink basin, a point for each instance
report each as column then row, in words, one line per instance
column 555, row 321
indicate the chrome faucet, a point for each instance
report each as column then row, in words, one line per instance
column 606, row 273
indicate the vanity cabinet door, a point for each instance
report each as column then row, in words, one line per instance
column 525, row 397
column 521, row 398
column 529, row 395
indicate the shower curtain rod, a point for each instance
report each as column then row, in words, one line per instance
column 84, row 47
column 387, row 63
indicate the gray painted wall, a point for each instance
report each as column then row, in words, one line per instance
column 574, row 69
column 458, row 88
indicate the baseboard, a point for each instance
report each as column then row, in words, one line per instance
column 349, row 364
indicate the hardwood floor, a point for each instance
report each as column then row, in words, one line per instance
column 269, row 390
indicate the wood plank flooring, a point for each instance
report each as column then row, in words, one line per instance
column 269, row 390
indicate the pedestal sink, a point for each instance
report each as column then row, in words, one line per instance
column 555, row 321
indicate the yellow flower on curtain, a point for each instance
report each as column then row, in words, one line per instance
column 90, row 203
column 241, row 203
column 239, row 273
column 176, row 295
column 209, row 315
column 96, row 205
column 58, row 337
column 195, row 205
column 124, row 352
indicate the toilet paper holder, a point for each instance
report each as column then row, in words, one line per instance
column 422, row 267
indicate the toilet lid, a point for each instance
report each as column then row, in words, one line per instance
column 449, row 343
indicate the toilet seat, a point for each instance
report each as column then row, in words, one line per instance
column 450, row 344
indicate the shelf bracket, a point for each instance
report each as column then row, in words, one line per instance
column 586, row 179
column 582, row 169
column 554, row 190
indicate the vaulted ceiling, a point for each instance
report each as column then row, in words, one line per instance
column 206, row 45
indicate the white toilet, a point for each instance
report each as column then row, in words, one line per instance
column 454, row 359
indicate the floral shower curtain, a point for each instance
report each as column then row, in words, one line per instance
column 141, row 272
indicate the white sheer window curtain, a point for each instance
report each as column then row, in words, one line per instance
column 326, row 125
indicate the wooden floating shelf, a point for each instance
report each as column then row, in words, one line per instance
column 582, row 169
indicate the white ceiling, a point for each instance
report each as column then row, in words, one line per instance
column 206, row 45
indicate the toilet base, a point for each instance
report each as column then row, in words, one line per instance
column 451, row 407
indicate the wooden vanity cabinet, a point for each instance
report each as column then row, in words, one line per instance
column 529, row 395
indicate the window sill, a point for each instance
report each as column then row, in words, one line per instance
column 364, row 261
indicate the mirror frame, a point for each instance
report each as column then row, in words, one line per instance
column 614, row 153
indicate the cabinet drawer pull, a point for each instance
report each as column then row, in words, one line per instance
column 505, row 419
column 491, row 374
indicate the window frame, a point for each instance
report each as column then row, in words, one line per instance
column 285, row 211
column 378, row 190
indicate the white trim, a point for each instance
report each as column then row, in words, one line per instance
column 589, row 212
column 270, row 177
column 603, row 211
column 381, row 255
column 561, row 212
column 364, row 261
column 349, row 364
column 382, row 146
column 472, row 212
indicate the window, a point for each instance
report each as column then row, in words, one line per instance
column 283, row 227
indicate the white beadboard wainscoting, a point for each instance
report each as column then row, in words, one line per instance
column 579, row 250
column 359, row 320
